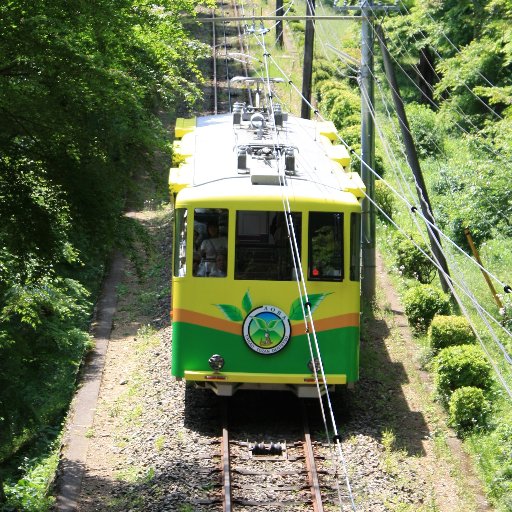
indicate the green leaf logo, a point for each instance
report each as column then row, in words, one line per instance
column 232, row 312
column 247, row 302
column 260, row 323
column 296, row 308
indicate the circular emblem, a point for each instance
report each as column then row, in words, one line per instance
column 266, row 330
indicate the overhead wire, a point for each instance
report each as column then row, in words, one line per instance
column 450, row 42
column 482, row 312
column 480, row 309
column 298, row 265
column 490, row 204
column 429, row 226
column 306, row 306
column 458, row 109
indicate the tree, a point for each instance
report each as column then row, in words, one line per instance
column 80, row 86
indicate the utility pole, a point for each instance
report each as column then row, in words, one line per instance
column 367, row 153
column 279, row 23
column 414, row 164
column 307, row 76
column 368, row 11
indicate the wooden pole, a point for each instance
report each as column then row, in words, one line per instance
column 414, row 164
column 279, row 24
column 486, row 275
column 307, row 76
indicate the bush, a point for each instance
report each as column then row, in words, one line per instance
column 425, row 129
column 446, row 331
column 460, row 366
column 422, row 302
column 468, row 409
column 385, row 199
column 412, row 261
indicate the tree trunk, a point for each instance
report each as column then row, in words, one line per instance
column 427, row 77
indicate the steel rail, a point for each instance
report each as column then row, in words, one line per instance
column 226, row 462
column 311, row 465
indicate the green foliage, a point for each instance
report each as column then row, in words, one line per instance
column 498, row 464
column 461, row 366
column 341, row 104
column 468, row 409
column 446, row 331
column 426, row 130
column 80, row 86
column 411, row 259
column 478, row 200
column 422, row 302
column 385, row 199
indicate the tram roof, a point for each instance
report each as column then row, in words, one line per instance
column 214, row 165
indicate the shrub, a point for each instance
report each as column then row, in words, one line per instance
column 425, row 129
column 385, row 199
column 446, row 331
column 422, row 302
column 460, row 366
column 468, row 409
column 412, row 261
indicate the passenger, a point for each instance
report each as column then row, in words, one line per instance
column 212, row 246
column 198, row 268
column 219, row 269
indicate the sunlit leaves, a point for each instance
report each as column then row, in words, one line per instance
column 232, row 312
column 296, row 309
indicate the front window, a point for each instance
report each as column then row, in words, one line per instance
column 325, row 246
column 210, row 253
column 263, row 246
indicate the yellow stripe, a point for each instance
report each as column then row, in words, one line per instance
column 263, row 378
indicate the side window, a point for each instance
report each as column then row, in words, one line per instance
column 263, row 249
column 355, row 246
column 325, row 246
column 180, row 242
column 210, row 242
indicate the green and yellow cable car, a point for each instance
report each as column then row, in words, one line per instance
column 266, row 228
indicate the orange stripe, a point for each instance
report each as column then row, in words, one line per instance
column 191, row 317
column 326, row 324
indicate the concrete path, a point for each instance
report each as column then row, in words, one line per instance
column 80, row 418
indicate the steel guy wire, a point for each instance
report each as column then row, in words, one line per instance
column 461, row 305
column 449, row 41
column 480, row 308
column 491, row 205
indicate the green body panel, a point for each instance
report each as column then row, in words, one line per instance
column 193, row 345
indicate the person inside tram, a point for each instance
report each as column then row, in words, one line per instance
column 197, row 268
column 219, row 269
column 212, row 246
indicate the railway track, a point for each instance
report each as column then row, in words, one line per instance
column 280, row 469
column 229, row 48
